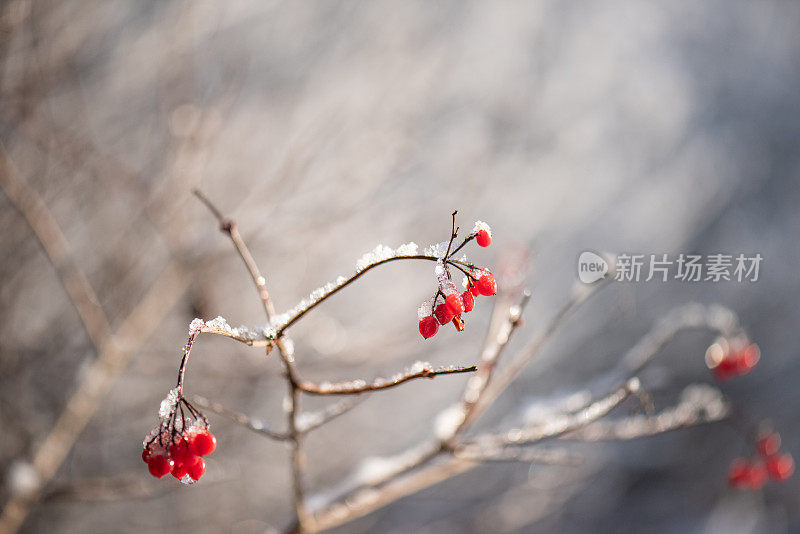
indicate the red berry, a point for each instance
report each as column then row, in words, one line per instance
column 747, row 358
column 468, row 300
column 768, row 443
column 483, row 238
column 442, row 314
column 428, row 327
column 780, row 466
column 197, row 470
column 725, row 369
column 756, row 475
column 159, row 465
column 473, row 289
column 738, row 473
column 181, row 454
column 179, row 471
column 454, row 304
column 145, row 454
column 202, row 443
column 486, row 284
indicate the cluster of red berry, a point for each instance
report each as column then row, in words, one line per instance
column 729, row 359
column 181, row 455
column 769, row 462
column 479, row 282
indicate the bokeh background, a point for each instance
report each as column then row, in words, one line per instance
column 327, row 128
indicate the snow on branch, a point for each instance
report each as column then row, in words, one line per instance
column 699, row 404
column 255, row 337
column 356, row 387
column 561, row 424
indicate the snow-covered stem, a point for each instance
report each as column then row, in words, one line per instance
column 344, row 282
column 230, row 227
column 549, row 456
column 253, row 424
column 493, row 347
column 699, row 404
column 505, row 376
column 254, row 337
column 309, row 421
column 559, row 425
column 357, row 387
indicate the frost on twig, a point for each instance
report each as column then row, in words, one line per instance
column 308, row 421
column 380, row 254
column 551, row 456
column 358, row 386
column 559, row 425
column 699, row 404
column 255, row 337
column 248, row 422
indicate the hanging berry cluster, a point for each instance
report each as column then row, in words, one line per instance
column 767, row 462
column 730, row 358
column 180, row 440
column 448, row 304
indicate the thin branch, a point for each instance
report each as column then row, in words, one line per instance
column 699, row 404
column 548, row 456
column 253, row 338
column 342, row 283
column 308, row 421
column 231, row 228
column 357, row 387
column 490, row 356
column 509, row 373
column 253, row 424
column 562, row 424
column 287, row 358
column 35, row 212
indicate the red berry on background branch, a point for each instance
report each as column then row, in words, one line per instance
column 730, row 358
column 756, row 475
column 769, row 443
column 780, row 466
column 738, row 473
column 428, row 326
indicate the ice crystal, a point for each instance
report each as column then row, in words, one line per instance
column 436, row 250
column 425, row 309
column 418, row 367
column 195, row 326
column 480, row 225
column 169, row 403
